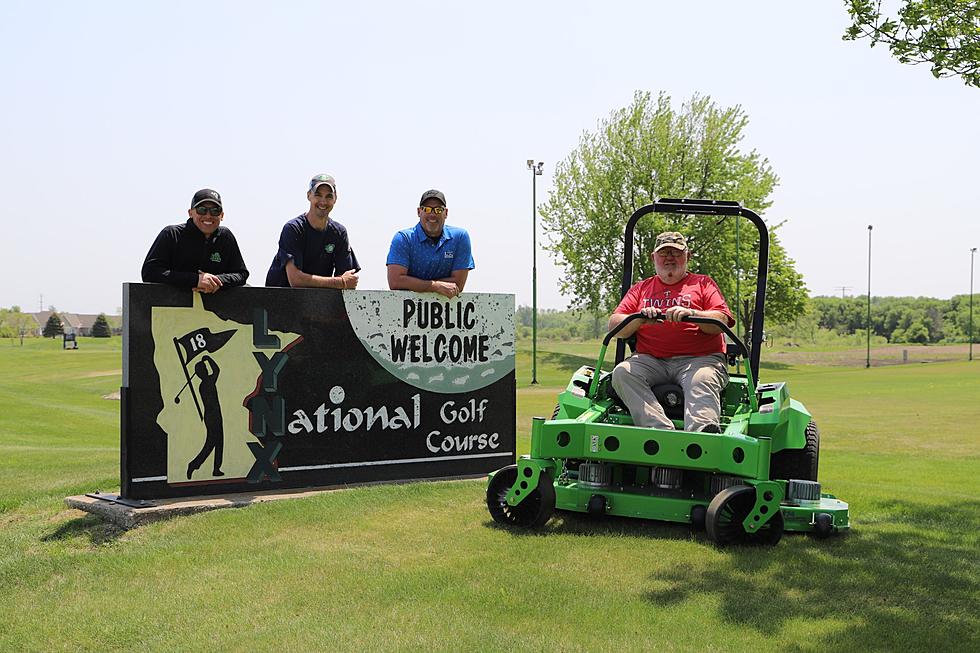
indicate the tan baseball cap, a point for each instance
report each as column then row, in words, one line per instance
column 673, row 239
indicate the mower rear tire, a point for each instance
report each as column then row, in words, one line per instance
column 533, row 512
column 800, row 464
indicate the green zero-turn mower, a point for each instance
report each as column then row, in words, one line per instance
column 745, row 485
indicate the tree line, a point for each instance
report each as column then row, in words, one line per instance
column 912, row 320
column 14, row 323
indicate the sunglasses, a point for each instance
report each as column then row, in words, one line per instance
column 438, row 210
column 670, row 251
column 213, row 210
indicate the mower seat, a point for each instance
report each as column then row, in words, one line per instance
column 670, row 396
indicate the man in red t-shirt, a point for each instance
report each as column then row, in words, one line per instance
column 671, row 351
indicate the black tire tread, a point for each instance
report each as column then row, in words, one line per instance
column 802, row 463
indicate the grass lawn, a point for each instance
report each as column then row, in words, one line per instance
column 422, row 567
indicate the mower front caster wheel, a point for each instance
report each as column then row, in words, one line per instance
column 596, row 506
column 698, row 515
column 533, row 512
column 728, row 510
column 823, row 525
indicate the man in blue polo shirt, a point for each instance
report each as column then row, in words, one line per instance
column 314, row 251
column 431, row 256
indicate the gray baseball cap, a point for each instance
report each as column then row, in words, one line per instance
column 433, row 193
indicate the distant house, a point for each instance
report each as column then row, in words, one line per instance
column 41, row 318
column 72, row 323
column 78, row 323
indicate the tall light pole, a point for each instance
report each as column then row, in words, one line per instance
column 535, row 169
column 973, row 250
column 867, row 363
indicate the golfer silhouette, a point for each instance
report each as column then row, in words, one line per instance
column 215, row 438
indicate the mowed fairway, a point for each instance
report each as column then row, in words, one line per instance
column 421, row 567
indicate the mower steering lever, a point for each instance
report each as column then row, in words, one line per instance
column 743, row 350
column 593, row 387
column 629, row 318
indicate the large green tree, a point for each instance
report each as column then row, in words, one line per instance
column 101, row 328
column 648, row 150
column 945, row 34
column 53, row 327
column 14, row 323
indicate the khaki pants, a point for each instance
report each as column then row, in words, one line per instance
column 701, row 377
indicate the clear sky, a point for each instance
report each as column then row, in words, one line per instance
column 114, row 113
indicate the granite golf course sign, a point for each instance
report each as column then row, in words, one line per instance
column 256, row 389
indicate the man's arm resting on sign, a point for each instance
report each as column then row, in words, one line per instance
column 457, row 277
column 299, row 279
column 398, row 279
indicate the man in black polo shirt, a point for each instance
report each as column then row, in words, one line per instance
column 198, row 254
column 314, row 251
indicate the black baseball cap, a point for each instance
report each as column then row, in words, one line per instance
column 206, row 195
column 429, row 194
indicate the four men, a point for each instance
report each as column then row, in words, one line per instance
column 431, row 256
column 314, row 251
column 671, row 351
column 198, row 254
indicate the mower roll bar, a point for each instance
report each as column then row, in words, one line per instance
column 706, row 207
column 742, row 349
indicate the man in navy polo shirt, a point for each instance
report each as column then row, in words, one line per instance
column 198, row 254
column 314, row 251
column 431, row 256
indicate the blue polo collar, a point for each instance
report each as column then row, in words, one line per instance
column 421, row 236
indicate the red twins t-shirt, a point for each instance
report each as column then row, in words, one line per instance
column 669, row 339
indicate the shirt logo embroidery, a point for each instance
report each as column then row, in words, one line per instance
column 328, row 248
column 666, row 301
column 449, row 254
column 216, row 257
